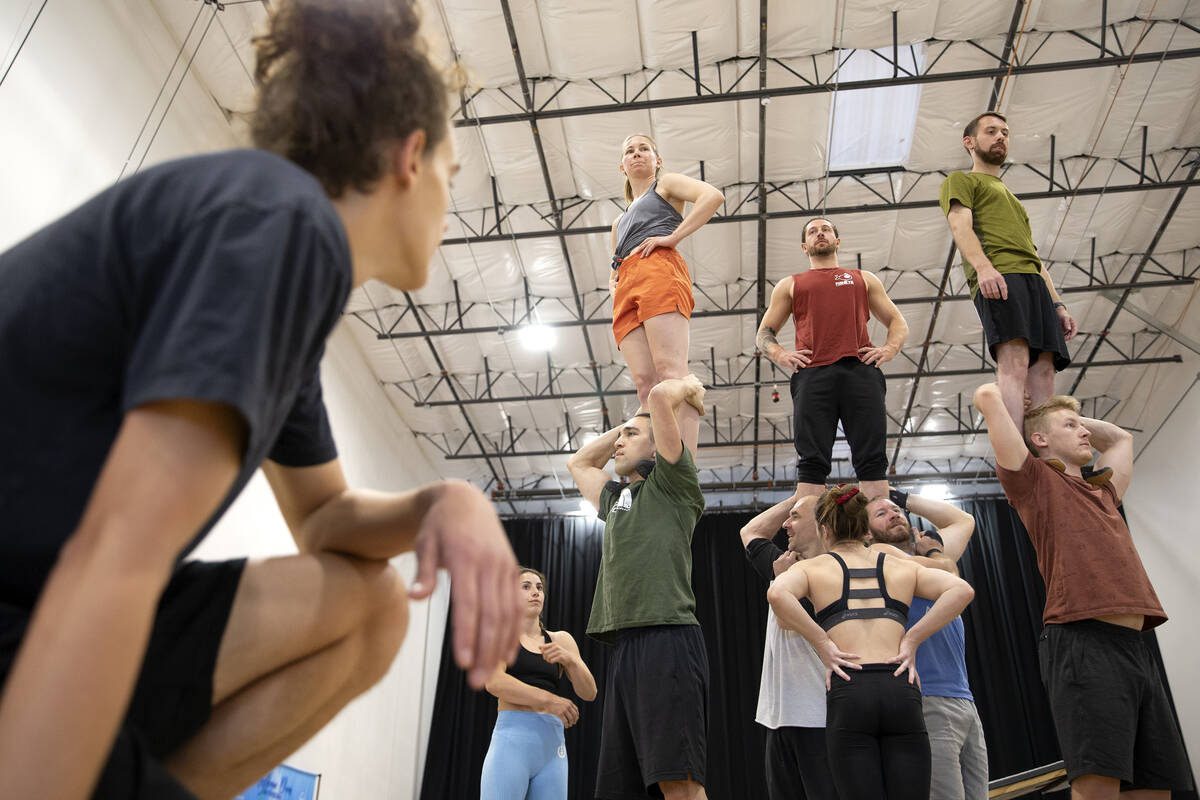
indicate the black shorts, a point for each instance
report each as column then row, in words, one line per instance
column 1027, row 314
column 1109, row 706
column 173, row 696
column 655, row 712
column 852, row 392
column 797, row 767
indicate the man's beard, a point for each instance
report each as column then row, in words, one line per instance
column 894, row 535
column 993, row 157
column 823, row 249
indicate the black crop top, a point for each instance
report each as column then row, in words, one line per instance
column 534, row 670
column 839, row 611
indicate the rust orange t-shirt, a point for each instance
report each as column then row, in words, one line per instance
column 830, row 313
column 1084, row 550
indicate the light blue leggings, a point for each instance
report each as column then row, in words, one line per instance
column 527, row 759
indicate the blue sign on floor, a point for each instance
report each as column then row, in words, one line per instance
column 283, row 783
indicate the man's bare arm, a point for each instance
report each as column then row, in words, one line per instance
column 767, row 523
column 587, row 464
column 449, row 524
column 1007, row 442
column 1116, row 450
column 168, row 469
column 886, row 312
column 954, row 525
column 776, row 316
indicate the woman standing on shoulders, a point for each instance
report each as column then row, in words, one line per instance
column 650, row 283
column 874, row 729
column 527, row 759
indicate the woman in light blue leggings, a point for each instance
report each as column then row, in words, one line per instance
column 527, row 759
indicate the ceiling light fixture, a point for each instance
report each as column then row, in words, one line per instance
column 537, row 337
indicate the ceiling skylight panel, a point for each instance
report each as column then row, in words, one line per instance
column 873, row 127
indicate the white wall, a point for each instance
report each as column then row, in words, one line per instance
column 376, row 747
column 1163, row 509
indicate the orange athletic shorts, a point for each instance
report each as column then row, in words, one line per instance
column 647, row 287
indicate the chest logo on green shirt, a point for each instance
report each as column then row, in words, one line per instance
column 623, row 502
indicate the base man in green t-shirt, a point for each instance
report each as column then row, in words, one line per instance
column 1025, row 322
column 656, row 689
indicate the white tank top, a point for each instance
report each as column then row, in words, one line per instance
column 792, row 691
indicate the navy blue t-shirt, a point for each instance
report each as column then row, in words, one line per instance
column 214, row 278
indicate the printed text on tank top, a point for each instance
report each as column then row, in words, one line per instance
column 839, row 611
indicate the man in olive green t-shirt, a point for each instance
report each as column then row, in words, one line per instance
column 656, row 687
column 1025, row 322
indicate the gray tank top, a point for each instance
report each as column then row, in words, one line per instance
column 649, row 215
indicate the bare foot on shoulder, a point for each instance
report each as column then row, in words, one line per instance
column 695, row 395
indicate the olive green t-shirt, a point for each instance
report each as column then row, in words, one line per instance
column 999, row 220
column 646, row 561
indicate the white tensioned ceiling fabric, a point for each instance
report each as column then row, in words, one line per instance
column 1095, row 214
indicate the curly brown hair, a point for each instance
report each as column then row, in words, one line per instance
column 847, row 519
column 339, row 80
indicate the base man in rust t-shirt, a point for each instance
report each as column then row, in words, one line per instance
column 1115, row 725
column 835, row 368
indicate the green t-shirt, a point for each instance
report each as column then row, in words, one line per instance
column 646, row 563
column 999, row 220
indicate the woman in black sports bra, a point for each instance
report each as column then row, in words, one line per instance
column 527, row 759
column 875, row 731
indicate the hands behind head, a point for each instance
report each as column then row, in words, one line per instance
column 925, row 543
column 461, row 532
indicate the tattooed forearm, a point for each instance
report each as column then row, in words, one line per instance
column 765, row 338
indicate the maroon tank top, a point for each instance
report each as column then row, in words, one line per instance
column 830, row 312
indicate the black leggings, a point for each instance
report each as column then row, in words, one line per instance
column 875, row 734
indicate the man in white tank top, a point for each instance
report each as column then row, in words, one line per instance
column 791, row 695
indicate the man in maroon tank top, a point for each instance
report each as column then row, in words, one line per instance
column 835, row 368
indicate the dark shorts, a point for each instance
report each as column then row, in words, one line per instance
column 1109, row 706
column 848, row 391
column 1027, row 314
column 173, row 696
column 655, row 712
column 797, row 767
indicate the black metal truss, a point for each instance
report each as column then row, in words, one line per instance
column 449, row 320
column 803, row 76
column 558, row 215
column 1142, row 262
column 1065, row 177
column 479, row 389
column 723, row 432
column 977, row 471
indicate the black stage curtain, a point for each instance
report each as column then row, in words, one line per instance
column 1002, row 626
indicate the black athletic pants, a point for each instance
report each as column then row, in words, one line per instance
column 852, row 392
column 875, row 733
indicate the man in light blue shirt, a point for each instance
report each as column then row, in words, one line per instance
column 958, row 749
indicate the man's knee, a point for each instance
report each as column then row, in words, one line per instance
column 1012, row 358
column 383, row 621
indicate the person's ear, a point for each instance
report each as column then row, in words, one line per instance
column 1038, row 438
column 969, row 143
column 406, row 158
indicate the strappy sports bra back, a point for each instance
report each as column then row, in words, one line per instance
column 839, row 610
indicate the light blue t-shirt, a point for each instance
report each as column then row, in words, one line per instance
column 942, row 658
